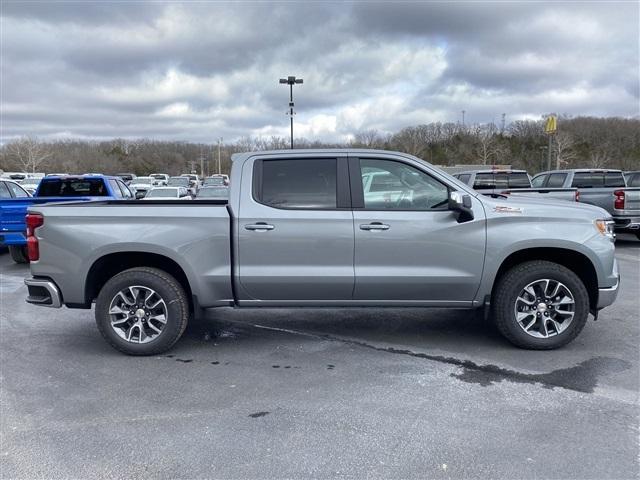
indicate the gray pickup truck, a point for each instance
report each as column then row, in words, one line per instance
column 498, row 182
column 325, row 228
column 603, row 188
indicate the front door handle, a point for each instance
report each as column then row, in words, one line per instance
column 259, row 227
column 374, row 226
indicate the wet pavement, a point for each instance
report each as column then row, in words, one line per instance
column 393, row 393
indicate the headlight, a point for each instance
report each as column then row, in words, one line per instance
column 605, row 227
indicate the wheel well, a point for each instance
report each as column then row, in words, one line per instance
column 574, row 261
column 106, row 267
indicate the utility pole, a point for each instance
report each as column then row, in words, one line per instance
column 219, row 146
column 502, row 126
column 291, row 80
column 201, row 162
column 542, row 156
column 463, row 112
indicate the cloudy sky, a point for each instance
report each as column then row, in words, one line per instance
column 200, row 70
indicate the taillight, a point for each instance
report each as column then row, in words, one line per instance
column 33, row 221
column 577, row 196
column 618, row 203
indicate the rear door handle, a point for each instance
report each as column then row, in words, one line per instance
column 259, row 227
column 374, row 226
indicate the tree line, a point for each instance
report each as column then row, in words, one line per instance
column 586, row 142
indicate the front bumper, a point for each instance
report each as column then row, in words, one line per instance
column 43, row 292
column 606, row 296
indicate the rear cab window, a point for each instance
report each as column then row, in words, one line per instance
column 614, row 179
column 486, row 181
column 588, row 180
column 73, row 187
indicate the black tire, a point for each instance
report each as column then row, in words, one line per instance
column 19, row 254
column 512, row 284
column 167, row 288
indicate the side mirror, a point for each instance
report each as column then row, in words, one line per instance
column 461, row 203
column 139, row 195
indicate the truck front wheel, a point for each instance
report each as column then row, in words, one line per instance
column 142, row 311
column 540, row 305
column 18, row 254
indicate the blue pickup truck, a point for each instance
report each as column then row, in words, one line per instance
column 14, row 201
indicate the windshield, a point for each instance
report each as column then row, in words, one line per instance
column 221, row 192
column 158, row 176
column 214, row 181
column 633, row 180
column 143, row 180
column 162, row 192
column 179, row 181
column 78, row 187
column 30, row 181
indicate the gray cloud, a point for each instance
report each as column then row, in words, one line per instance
column 196, row 71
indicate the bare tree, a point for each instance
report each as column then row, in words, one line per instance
column 598, row 158
column 488, row 146
column 367, row 139
column 28, row 152
column 564, row 149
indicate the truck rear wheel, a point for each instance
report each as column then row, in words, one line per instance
column 19, row 254
column 540, row 305
column 142, row 311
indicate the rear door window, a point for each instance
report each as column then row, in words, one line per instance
column 298, row 183
column 556, row 180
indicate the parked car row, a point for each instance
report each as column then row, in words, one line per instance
column 616, row 191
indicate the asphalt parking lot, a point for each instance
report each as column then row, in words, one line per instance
column 394, row 393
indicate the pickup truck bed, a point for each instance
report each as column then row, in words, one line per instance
column 171, row 229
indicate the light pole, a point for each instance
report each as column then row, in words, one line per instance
column 291, row 80
column 219, row 145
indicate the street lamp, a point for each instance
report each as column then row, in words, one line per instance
column 291, row 80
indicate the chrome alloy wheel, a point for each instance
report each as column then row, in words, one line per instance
column 545, row 308
column 138, row 314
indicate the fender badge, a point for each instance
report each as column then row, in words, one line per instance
column 502, row 209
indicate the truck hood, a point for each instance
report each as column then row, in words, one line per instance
column 529, row 206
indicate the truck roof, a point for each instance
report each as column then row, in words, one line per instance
column 67, row 177
column 580, row 170
column 491, row 171
column 311, row 151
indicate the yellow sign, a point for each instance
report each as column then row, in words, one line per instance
column 551, row 125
